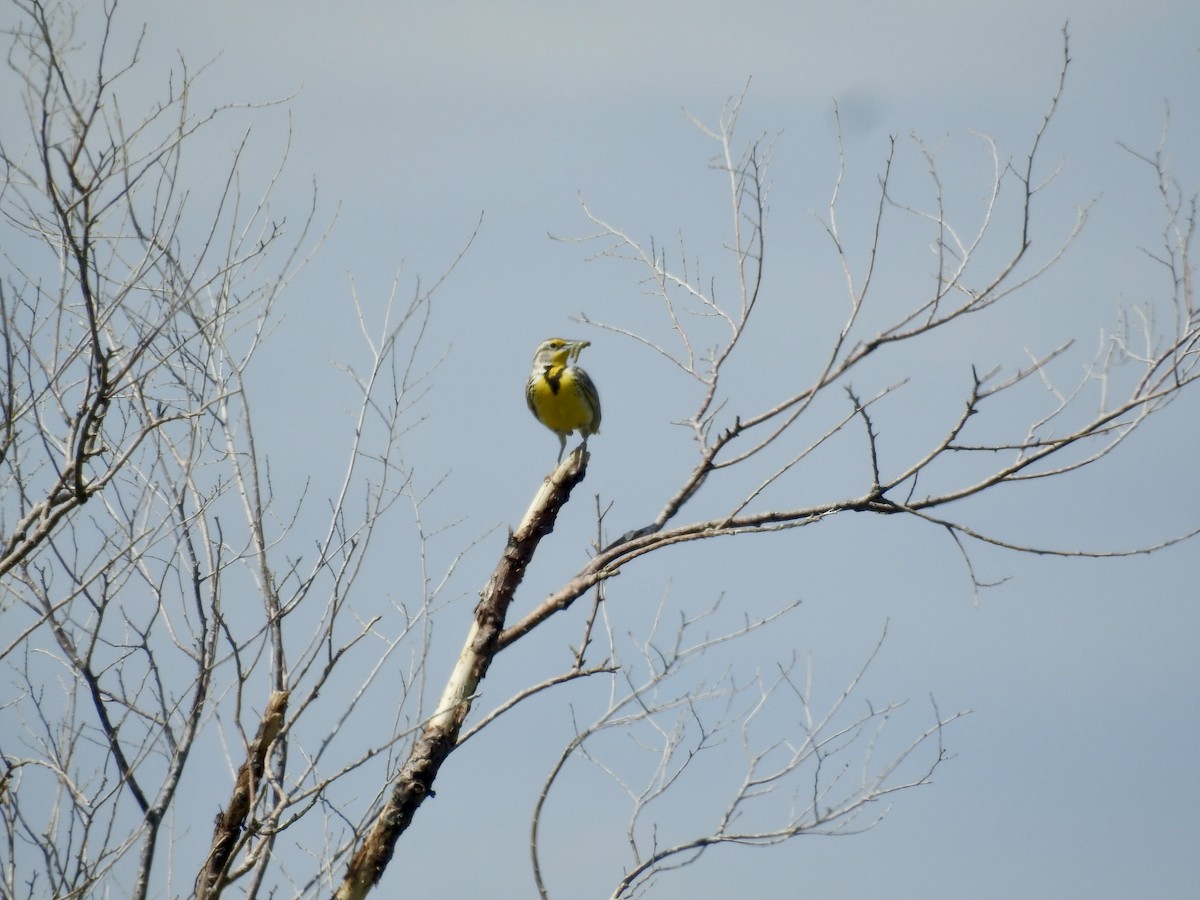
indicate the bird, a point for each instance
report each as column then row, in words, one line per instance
column 562, row 396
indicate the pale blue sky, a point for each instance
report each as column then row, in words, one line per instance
column 1075, row 775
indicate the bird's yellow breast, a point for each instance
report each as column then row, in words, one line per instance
column 559, row 401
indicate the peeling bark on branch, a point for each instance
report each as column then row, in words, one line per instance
column 440, row 735
column 231, row 822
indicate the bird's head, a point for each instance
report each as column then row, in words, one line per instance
column 557, row 351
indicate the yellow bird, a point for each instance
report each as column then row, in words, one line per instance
column 562, row 396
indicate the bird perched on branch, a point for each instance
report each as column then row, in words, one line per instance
column 561, row 396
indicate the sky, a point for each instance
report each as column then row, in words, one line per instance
column 421, row 124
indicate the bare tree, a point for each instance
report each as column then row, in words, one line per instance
column 139, row 516
column 138, row 513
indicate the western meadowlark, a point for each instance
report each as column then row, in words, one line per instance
column 561, row 396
